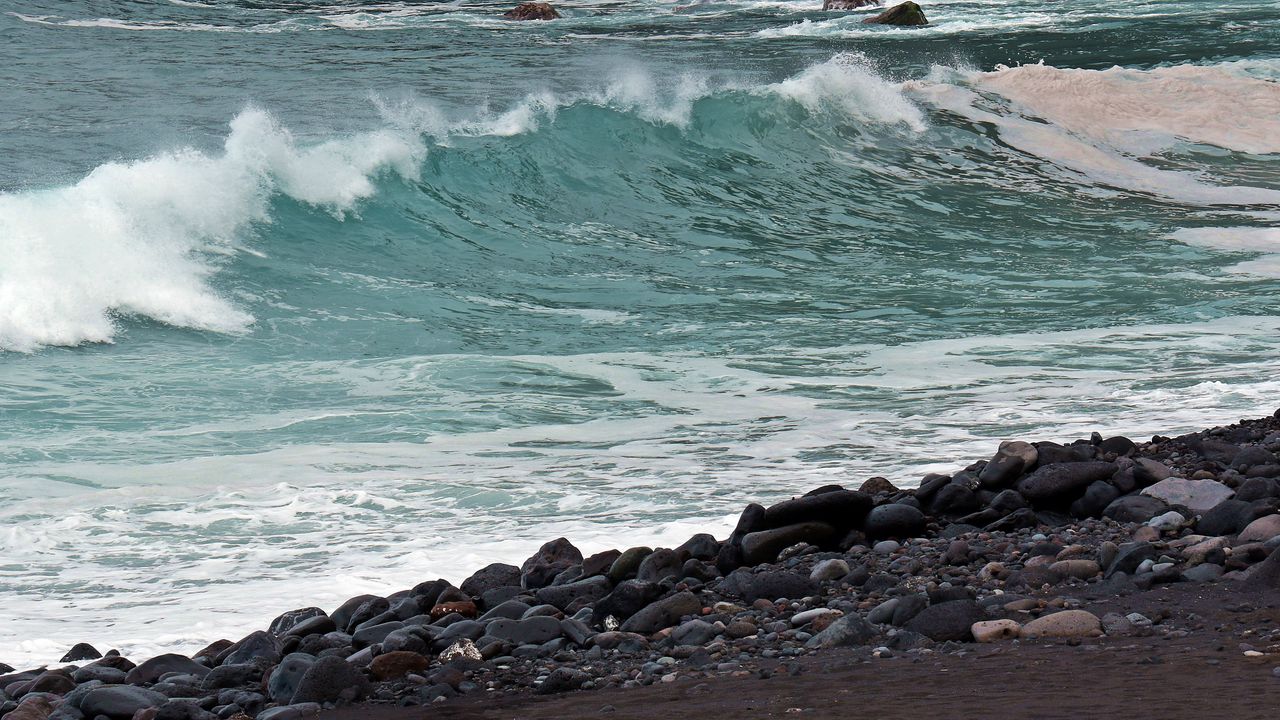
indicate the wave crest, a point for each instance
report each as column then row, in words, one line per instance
column 142, row 238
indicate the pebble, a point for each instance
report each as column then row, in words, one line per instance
column 832, row 569
column 887, row 547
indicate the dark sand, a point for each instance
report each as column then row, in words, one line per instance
column 1192, row 666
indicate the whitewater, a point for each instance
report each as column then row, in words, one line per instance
column 304, row 301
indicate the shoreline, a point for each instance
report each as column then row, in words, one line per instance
column 1023, row 544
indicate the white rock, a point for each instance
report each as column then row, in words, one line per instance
column 886, row 547
column 832, row 569
column 1138, row 620
column 1168, row 521
column 985, row 631
column 808, row 616
column 1199, row 496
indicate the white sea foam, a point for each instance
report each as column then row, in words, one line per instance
column 154, row 25
column 849, row 83
column 140, row 238
column 1142, row 111
column 1108, row 148
column 377, row 517
column 1265, row 240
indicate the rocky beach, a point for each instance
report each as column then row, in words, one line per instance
column 1057, row 578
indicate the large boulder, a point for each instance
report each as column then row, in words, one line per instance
column 841, row 509
column 551, row 559
column 318, row 625
column 848, row 630
column 1010, row 461
column 907, row 14
column 947, row 621
column 1198, row 496
column 395, row 665
column 119, row 702
column 1095, row 500
column 81, row 651
column 151, row 670
column 583, row 591
column 662, row 614
column 532, row 11
column 1062, row 483
column 895, row 520
column 597, row 564
column 627, row 599
column 491, row 576
column 286, row 621
column 257, row 645
column 1135, row 508
column 660, row 565
column 530, row 631
column 286, row 676
column 627, row 564
column 32, row 707
column 342, row 616
column 769, row 585
column 1252, row 456
column 847, row 4
column 1065, row 624
column 1265, row 575
column 1129, row 556
column 763, row 546
column 1261, row 530
column 1232, row 516
column 331, row 679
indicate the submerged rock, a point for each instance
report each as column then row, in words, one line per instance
column 907, row 14
column 532, row 11
column 848, row 4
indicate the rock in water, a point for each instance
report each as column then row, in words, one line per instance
column 532, row 11
column 847, row 4
column 908, row 14
column 81, row 651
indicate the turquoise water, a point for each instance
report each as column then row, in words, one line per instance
column 305, row 299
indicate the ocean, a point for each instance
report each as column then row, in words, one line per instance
column 304, row 299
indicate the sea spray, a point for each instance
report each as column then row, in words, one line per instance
column 142, row 238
